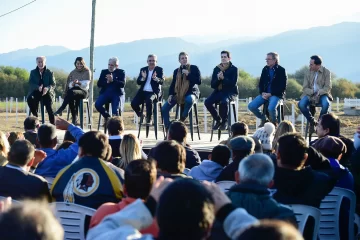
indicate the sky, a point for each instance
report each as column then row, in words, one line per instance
column 67, row 22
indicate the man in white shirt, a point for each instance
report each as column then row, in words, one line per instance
column 150, row 80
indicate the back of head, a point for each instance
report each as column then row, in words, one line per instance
column 332, row 122
column 30, row 220
column 47, row 135
column 284, row 127
column 139, row 178
column 256, row 168
column 130, row 149
column 258, row 146
column 266, row 135
column 221, row 154
column 170, row 157
column 69, row 137
column 330, row 147
column 94, row 144
column 21, row 153
column 185, row 210
column 115, row 126
column 4, row 144
column 177, row 131
column 31, row 123
column 292, row 150
column 64, row 145
column 271, row 229
column 14, row 136
column 242, row 146
column 239, row 129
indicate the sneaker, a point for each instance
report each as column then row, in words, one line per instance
column 224, row 126
column 217, row 125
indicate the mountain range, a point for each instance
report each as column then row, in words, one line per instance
column 339, row 45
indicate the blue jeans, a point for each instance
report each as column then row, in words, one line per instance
column 108, row 97
column 189, row 101
column 272, row 108
column 324, row 103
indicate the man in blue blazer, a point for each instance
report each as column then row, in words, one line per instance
column 112, row 83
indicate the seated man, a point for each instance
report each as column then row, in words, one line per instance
column 254, row 177
column 316, row 89
column 240, row 147
column 223, row 81
column 183, row 90
column 272, row 87
column 185, row 210
column 140, row 175
column 15, row 179
column 89, row 181
column 31, row 124
column 236, row 129
column 210, row 169
column 294, row 183
column 56, row 159
column 112, row 83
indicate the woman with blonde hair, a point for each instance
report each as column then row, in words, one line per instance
column 4, row 149
column 284, row 127
column 130, row 149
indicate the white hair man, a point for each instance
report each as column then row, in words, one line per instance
column 112, row 83
column 254, row 177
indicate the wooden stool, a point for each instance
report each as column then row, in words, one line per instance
column 194, row 108
column 81, row 110
column 217, row 106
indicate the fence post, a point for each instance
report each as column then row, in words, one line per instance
column 7, row 109
column 205, row 117
column 250, row 100
column 302, row 124
column 337, row 104
column 11, row 103
column 16, row 111
column 25, row 104
column 293, row 114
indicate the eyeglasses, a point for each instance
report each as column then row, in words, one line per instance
column 151, row 61
column 111, row 65
column 224, row 56
column 268, row 59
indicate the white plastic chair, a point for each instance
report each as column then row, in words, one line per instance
column 330, row 212
column 225, row 185
column 50, row 181
column 302, row 214
column 72, row 218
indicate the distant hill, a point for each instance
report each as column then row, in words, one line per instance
column 339, row 45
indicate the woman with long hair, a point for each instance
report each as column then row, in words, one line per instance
column 284, row 127
column 130, row 150
column 77, row 88
column 4, row 149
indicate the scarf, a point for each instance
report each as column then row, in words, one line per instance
column 223, row 67
column 181, row 85
column 82, row 74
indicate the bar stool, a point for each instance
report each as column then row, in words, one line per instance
column 81, row 110
column 156, row 107
column 312, row 108
column 232, row 105
column 107, row 107
column 191, row 120
column 280, row 110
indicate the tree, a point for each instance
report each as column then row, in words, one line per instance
column 293, row 89
column 343, row 88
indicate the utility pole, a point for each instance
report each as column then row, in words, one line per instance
column 91, row 97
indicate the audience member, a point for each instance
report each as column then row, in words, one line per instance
column 13, row 136
column 56, row 159
column 64, row 145
column 284, row 127
column 178, row 132
column 266, row 136
column 355, row 168
column 254, row 177
column 30, row 220
column 15, row 179
column 296, row 184
column 210, row 169
column 68, row 137
column 237, row 129
column 140, row 175
column 185, row 210
column 89, row 181
column 271, row 230
column 241, row 147
column 115, row 126
column 31, row 124
column 4, row 149
column 258, row 146
column 130, row 150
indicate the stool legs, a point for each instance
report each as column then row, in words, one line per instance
column 141, row 119
column 191, row 124
column 81, row 109
column 197, row 120
column 162, row 119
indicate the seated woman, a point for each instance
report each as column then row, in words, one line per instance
column 130, row 149
column 77, row 88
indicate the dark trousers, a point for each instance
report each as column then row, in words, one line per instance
column 33, row 101
column 142, row 96
column 221, row 98
column 108, row 97
column 73, row 97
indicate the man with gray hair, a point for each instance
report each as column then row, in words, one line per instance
column 112, row 83
column 272, row 87
column 254, row 177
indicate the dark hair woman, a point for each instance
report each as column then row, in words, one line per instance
column 77, row 88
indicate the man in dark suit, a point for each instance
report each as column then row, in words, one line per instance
column 272, row 87
column 183, row 90
column 150, row 80
column 224, row 81
column 15, row 179
column 112, row 83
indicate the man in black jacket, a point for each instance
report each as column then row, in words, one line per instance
column 112, row 83
column 150, row 80
column 223, row 82
column 272, row 87
column 183, row 90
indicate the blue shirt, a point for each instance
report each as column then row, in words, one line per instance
column 271, row 74
column 58, row 159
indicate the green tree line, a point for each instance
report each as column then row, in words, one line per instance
column 14, row 83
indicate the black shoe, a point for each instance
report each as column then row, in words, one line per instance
column 182, row 119
column 58, row 113
column 224, row 126
column 313, row 124
column 263, row 121
column 217, row 125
